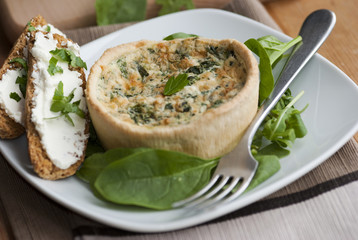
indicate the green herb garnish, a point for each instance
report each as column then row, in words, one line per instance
column 66, row 55
column 15, row 96
column 48, row 28
column 21, row 80
column 30, row 27
column 21, row 61
column 175, row 84
column 119, row 11
column 170, row 6
column 179, row 35
column 53, row 68
column 63, row 104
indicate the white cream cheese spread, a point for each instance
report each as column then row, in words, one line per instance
column 63, row 142
column 8, row 84
column 15, row 109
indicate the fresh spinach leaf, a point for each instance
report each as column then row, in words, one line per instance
column 95, row 163
column 268, row 166
column 270, row 50
column 119, row 11
column 175, row 84
column 275, row 48
column 179, row 35
column 170, row 6
column 154, row 179
column 94, row 144
column 267, row 81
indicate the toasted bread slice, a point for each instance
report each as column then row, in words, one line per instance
column 12, row 117
column 43, row 164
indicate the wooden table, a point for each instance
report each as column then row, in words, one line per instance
column 341, row 48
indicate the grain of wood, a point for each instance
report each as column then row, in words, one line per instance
column 341, row 48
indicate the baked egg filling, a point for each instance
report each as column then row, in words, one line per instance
column 131, row 86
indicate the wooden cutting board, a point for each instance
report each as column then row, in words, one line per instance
column 66, row 14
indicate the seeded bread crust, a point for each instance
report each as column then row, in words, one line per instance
column 42, row 165
column 9, row 128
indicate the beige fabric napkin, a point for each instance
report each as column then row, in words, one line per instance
column 321, row 205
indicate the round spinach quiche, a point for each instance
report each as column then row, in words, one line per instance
column 194, row 95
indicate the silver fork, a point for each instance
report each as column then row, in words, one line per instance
column 236, row 169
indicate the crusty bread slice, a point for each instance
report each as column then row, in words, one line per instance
column 9, row 128
column 42, row 164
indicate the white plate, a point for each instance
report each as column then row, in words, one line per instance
column 331, row 120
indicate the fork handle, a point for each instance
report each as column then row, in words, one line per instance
column 315, row 29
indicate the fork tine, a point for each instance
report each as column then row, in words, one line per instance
column 209, row 194
column 198, row 194
column 245, row 183
column 223, row 194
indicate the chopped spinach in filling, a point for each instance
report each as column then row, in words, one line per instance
column 131, row 87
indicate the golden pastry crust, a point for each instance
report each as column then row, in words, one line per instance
column 212, row 134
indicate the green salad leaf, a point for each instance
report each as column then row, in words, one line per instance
column 275, row 48
column 270, row 50
column 267, row 81
column 94, row 144
column 170, row 6
column 149, row 178
column 280, row 129
column 175, row 84
column 96, row 162
column 268, row 166
column 119, row 11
